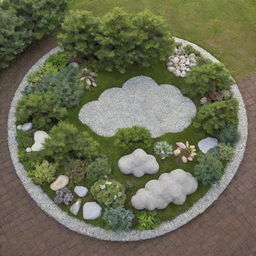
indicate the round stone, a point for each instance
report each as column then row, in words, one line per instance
column 60, row 182
column 91, row 211
column 81, row 191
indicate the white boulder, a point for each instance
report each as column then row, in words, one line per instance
column 138, row 163
column 91, row 211
column 76, row 207
column 39, row 138
column 25, row 127
column 81, row 191
column 208, row 143
column 170, row 187
column 60, row 182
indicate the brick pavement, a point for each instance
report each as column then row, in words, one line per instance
column 227, row 228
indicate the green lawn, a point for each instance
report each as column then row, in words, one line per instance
column 226, row 28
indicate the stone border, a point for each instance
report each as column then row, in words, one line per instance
column 50, row 208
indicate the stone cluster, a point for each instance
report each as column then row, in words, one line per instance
column 63, row 195
column 181, row 63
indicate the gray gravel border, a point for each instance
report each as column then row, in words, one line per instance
column 50, row 208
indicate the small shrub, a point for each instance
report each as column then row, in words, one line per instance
column 133, row 138
column 188, row 49
column 148, row 220
column 163, row 149
column 223, row 152
column 67, row 143
column 108, row 193
column 226, row 94
column 214, row 117
column 25, row 138
column 43, row 110
column 208, row 78
column 43, row 173
column 118, row 218
column 52, row 66
column 229, row 135
column 66, row 84
column 75, row 170
column 209, row 169
column 97, row 170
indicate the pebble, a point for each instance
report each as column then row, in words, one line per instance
column 76, row 207
column 81, row 191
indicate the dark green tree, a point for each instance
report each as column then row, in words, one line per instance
column 41, row 16
column 14, row 35
column 153, row 39
column 78, row 35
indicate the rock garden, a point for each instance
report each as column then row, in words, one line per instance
column 125, row 127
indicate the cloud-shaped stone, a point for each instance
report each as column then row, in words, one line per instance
column 171, row 187
column 138, row 163
column 141, row 101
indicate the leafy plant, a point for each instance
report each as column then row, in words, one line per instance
column 228, row 135
column 133, row 138
column 209, row 169
column 208, row 78
column 118, row 218
column 75, row 170
column 188, row 49
column 212, row 118
column 108, row 193
column 99, row 169
column 67, row 143
column 148, row 220
column 66, row 84
column 14, row 35
column 163, row 149
column 43, row 110
column 43, row 173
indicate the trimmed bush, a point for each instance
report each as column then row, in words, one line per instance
column 228, row 135
column 209, row 169
column 97, row 170
column 117, row 40
column 212, row 118
column 208, row 78
column 43, row 173
column 118, row 218
column 42, row 109
column 67, row 143
column 75, row 170
column 108, row 193
column 66, row 84
column 133, row 138
column 14, row 35
column 148, row 220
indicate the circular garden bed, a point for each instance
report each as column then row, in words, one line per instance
column 139, row 153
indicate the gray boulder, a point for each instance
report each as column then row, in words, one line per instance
column 91, row 211
column 138, row 163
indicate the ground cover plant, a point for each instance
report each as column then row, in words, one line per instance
column 91, row 160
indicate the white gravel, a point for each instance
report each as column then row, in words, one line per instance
column 140, row 101
column 50, row 208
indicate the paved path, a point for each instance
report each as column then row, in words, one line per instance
column 228, row 228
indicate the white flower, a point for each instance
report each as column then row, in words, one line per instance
column 102, row 186
column 115, row 197
column 108, row 183
column 119, row 194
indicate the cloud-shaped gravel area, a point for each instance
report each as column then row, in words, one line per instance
column 140, row 101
